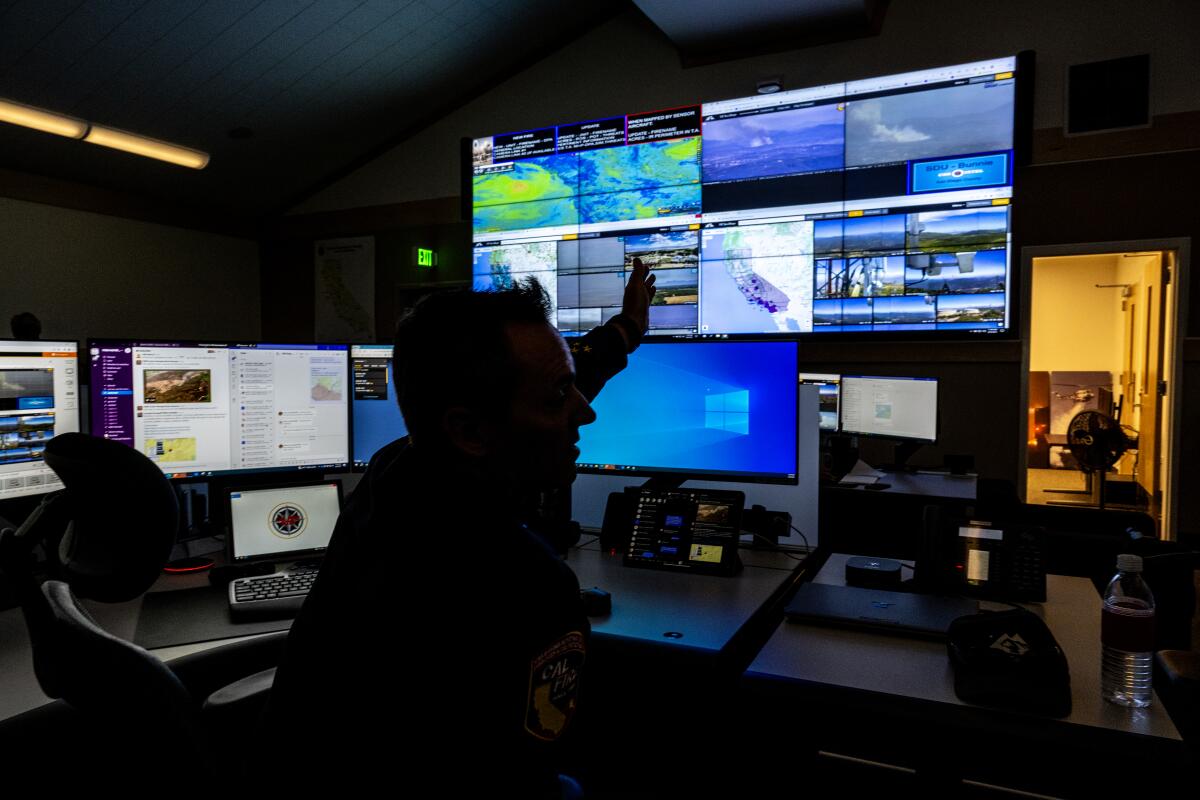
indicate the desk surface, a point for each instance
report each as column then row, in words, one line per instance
column 705, row 611
column 893, row 666
column 926, row 484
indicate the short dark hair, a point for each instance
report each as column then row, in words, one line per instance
column 451, row 349
column 25, row 326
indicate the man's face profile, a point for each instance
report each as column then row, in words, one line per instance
column 546, row 412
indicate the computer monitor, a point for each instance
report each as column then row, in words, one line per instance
column 712, row 409
column 282, row 522
column 39, row 399
column 875, row 207
column 891, row 407
column 375, row 415
column 827, row 396
column 201, row 409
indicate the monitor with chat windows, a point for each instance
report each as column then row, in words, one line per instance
column 209, row 409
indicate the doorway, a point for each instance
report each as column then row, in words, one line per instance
column 1100, row 358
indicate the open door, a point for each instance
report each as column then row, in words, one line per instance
column 1153, row 384
column 1102, row 336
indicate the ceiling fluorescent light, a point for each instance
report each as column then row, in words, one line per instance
column 145, row 146
column 42, row 120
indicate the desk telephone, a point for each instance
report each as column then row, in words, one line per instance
column 979, row 558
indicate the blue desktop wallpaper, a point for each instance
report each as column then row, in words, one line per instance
column 376, row 423
column 713, row 406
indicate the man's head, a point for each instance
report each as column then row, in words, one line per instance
column 26, row 326
column 483, row 376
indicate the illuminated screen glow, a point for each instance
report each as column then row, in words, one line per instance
column 879, row 205
column 720, row 408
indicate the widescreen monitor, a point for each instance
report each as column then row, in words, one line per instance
column 877, row 206
column 199, row 409
column 712, row 409
column 827, row 396
column 375, row 414
column 39, row 399
column 890, row 407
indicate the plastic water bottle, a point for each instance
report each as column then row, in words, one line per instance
column 1127, row 636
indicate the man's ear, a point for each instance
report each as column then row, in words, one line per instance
column 468, row 431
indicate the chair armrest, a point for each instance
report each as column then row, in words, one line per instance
column 207, row 671
column 245, row 696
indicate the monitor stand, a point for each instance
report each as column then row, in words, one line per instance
column 903, row 452
column 664, row 483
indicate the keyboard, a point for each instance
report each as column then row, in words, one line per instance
column 270, row 596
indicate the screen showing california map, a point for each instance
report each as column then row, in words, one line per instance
column 877, row 205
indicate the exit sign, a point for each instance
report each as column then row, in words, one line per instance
column 424, row 257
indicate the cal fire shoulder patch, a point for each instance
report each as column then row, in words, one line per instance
column 554, row 686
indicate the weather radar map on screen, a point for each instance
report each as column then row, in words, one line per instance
column 874, row 205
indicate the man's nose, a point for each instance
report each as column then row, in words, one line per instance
column 585, row 414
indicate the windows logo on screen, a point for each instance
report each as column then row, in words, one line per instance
column 728, row 411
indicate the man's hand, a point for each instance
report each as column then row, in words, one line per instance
column 639, row 292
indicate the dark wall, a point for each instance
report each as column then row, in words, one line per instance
column 287, row 261
column 1111, row 199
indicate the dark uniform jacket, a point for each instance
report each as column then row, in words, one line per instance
column 438, row 620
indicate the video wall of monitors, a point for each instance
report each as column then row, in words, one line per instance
column 880, row 205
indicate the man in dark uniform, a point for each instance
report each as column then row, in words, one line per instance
column 439, row 618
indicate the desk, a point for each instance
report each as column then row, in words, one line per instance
column 678, row 610
column 713, row 615
column 654, row 703
column 892, row 699
column 934, row 485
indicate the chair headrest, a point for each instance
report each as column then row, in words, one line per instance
column 123, row 518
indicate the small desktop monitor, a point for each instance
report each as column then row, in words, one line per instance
column 711, row 409
column 39, row 399
column 282, row 522
column 890, row 407
column 827, row 396
column 203, row 409
column 374, row 412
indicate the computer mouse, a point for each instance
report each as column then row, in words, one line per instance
column 596, row 601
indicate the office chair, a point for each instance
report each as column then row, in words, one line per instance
column 106, row 535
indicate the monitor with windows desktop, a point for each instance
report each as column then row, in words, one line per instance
column 39, row 399
column 704, row 410
column 710, row 410
column 205, row 409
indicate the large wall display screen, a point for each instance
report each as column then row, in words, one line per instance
column 874, row 205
